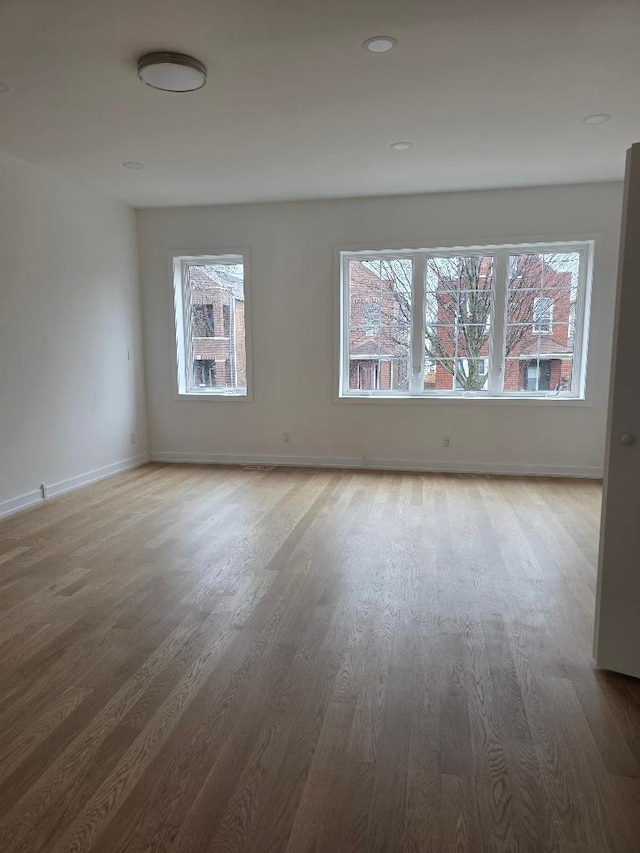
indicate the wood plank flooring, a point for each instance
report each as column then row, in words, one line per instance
column 205, row 659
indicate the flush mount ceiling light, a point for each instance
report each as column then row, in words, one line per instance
column 597, row 118
column 133, row 164
column 172, row 72
column 379, row 44
column 401, row 146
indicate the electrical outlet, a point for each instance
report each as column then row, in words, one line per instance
column 446, row 441
column 286, row 437
column 133, row 437
column 129, row 355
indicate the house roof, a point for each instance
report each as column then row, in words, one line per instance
column 214, row 275
column 544, row 345
column 371, row 348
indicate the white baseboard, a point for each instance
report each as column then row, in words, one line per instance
column 21, row 502
column 363, row 463
column 251, row 459
column 33, row 498
column 13, row 505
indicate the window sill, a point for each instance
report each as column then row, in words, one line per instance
column 470, row 399
column 213, row 396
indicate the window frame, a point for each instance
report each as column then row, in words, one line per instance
column 181, row 351
column 584, row 246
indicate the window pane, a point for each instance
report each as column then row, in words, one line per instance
column 380, row 364
column 456, row 374
column 541, row 305
column 467, row 340
column 458, row 303
column 214, row 298
column 539, row 374
column 379, row 324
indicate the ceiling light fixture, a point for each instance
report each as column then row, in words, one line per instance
column 379, row 44
column 401, row 146
column 172, row 72
column 596, row 118
column 133, row 164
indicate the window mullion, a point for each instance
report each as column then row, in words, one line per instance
column 345, row 302
column 417, row 323
column 186, row 303
column 498, row 324
column 580, row 334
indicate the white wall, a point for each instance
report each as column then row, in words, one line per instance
column 69, row 310
column 291, row 249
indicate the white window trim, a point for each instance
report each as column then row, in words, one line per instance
column 175, row 260
column 574, row 397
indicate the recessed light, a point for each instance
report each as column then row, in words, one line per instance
column 379, row 44
column 596, row 118
column 172, row 72
column 401, row 146
column 133, row 164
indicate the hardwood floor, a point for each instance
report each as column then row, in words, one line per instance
column 224, row 659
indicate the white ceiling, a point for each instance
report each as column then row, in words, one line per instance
column 491, row 93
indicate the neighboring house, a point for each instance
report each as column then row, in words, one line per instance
column 217, row 318
column 539, row 332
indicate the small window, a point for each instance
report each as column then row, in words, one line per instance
column 542, row 315
column 202, row 321
column 204, row 373
column 210, row 325
column 371, row 320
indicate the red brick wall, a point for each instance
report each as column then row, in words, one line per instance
column 218, row 347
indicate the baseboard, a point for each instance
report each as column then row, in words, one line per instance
column 373, row 463
column 13, row 505
column 252, row 459
column 33, row 498
column 55, row 489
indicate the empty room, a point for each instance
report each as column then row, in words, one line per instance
column 319, row 426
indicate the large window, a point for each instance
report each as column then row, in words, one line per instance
column 494, row 322
column 210, row 325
